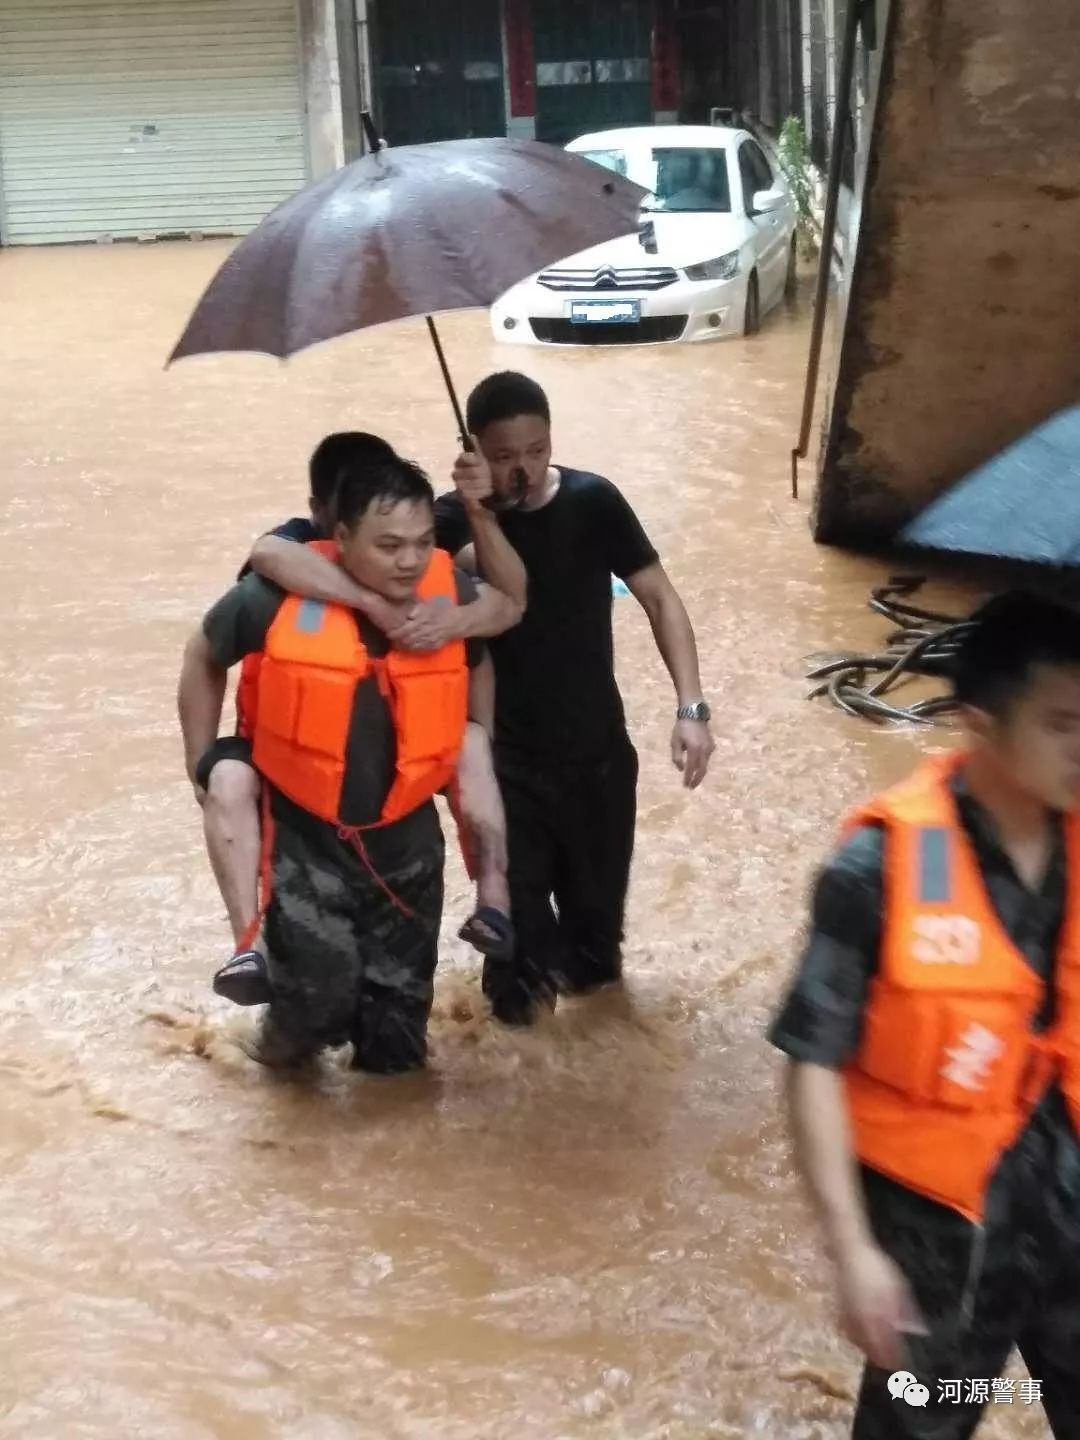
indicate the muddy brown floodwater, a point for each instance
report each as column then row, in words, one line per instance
column 588, row 1231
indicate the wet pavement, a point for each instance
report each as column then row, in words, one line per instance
column 592, row 1230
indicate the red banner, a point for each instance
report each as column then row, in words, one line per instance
column 520, row 59
column 665, row 59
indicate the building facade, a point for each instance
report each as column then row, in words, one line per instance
column 553, row 69
column 132, row 119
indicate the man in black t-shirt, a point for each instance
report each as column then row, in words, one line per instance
column 566, row 767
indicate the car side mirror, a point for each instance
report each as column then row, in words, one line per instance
column 767, row 201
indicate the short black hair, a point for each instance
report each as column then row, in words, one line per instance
column 382, row 482
column 333, row 455
column 1005, row 640
column 505, row 396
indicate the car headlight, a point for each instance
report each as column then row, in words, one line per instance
column 724, row 268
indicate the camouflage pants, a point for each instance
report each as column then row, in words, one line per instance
column 1021, row 1276
column 346, row 963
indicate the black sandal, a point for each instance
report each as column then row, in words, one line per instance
column 490, row 932
column 244, row 980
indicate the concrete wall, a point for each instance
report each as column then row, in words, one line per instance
column 322, row 85
column 962, row 327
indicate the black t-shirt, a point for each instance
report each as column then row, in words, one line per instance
column 556, row 698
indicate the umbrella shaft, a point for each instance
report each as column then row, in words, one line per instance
column 458, row 416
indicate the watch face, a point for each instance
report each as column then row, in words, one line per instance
column 700, row 711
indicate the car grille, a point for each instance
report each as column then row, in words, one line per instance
column 650, row 331
column 656, row 277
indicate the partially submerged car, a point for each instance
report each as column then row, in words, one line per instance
column 715, row 251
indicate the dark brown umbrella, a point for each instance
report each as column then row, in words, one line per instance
column 409, row 231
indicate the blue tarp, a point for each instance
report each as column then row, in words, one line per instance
column 1023, row 505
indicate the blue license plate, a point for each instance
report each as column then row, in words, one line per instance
column 605, row 312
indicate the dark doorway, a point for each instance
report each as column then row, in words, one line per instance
column 593, row 66
column 438, row 70
column 706, row 40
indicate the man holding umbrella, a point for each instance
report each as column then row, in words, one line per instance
column 566, row 766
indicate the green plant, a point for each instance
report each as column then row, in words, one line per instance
column 794, row 156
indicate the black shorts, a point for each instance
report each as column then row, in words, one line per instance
column 226, row 747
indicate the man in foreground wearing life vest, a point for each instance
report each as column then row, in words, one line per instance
column 352, row 740
column 226, row 783
column 934, row 1034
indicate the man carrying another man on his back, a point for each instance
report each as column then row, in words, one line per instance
column 227, row 784
column 352, row 741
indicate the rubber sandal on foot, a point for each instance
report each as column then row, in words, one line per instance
column 244, row 980
column 490, row 932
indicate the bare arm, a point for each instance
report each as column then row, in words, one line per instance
column 877, row 1304
column 496, row 559
column 303, row 571
column 482, row 695
column 825, row 1155
column 200, row 696
column 493, row 557
column 671, row 626
column 691, row 742
column 491, row 613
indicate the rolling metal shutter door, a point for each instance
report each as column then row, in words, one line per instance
column 138, row 118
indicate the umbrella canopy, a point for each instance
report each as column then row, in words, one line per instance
column 1022, row 505
column 409, row 231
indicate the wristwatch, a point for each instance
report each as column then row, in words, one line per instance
column 699, row 710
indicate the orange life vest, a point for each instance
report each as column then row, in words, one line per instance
column 311, row 665
column 949, row 1068
column 247, row 695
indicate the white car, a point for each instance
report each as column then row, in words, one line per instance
column 715, row 250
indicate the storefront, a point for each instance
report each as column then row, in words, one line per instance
column 143, row 118
column 549, row 69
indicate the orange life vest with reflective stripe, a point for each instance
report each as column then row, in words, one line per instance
column 311, row 665
column 949, row 1068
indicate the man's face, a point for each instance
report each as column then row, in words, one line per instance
column 1035, row 744
column 519, row 453
column 390, row 549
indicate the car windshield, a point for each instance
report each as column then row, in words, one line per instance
column 678, row 178
column 688, row 180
